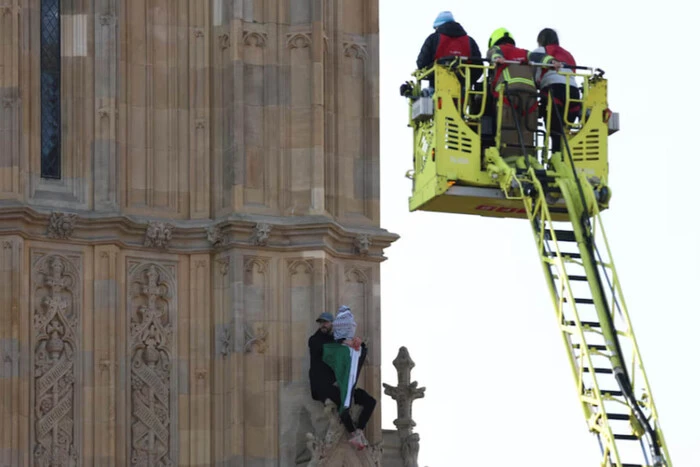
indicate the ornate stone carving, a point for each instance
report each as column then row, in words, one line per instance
column 61, row 224
column 304, row 265
column 363, row 243
column 354, row 49
column 224, row 265
column 226, row 340
column 150, row 354
column 200, row 123
column 7, row 244
column 215, row 236
column 261, row 233
column 55, row 322
column 298, row 40
column 252, row 262
column 255, row 38
column 5, row 10
column 404, row 393
column 328, row 450
column 106, row 19
column 224, row 41
column 8, row 102
column 198, row 33
column 354, row 274
column 255, row 338
column 104, row 112
column 158, row 234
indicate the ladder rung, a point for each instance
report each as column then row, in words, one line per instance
column 607, row 371
column 552, row 254
column 612, row 392
column 629, row 465
column 558, row 210
column 592, row 346
column 626, row 437
column 590, row 324
column 574, row 277
column 583, row 301
column 617, row 416
column 562, row 235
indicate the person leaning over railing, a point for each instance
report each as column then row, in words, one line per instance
column 555, row 84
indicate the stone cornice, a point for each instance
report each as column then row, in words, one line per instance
column 272, row 233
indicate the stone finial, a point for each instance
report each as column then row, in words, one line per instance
column 261, row 233
column 404, row 393
column 363, row 243
column 61, row 225
column 158, row 234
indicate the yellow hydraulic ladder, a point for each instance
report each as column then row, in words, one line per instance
column 610, row 378
column 562, row 196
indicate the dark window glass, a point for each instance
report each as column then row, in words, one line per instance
column 50, row 89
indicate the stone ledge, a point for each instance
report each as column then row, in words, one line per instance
column 273, row 233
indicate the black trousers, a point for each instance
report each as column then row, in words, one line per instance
column 360, row 397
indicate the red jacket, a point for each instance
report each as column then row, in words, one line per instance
column 517, row 76
column 457, row 46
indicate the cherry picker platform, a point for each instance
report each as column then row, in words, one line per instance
column 471, row 157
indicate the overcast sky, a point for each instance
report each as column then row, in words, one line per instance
column 467, row 295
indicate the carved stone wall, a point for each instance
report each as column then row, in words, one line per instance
column 151, row 379
column 56, row 304
column 218, row 190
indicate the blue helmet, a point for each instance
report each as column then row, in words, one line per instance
column 442, row 18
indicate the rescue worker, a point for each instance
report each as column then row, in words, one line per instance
column 555, row 84
column 520, row 93
column 449, row 39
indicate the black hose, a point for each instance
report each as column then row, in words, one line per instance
column 621, row 375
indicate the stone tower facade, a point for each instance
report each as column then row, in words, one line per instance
column 184, row 186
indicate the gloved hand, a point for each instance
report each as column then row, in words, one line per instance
column 406, row 89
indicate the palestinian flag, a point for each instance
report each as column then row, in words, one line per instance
column 344, row 361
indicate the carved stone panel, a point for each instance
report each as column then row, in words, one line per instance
column 56, row 310
column 356, row 292
column 151, row 394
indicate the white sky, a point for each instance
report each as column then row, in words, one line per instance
column 467, row 295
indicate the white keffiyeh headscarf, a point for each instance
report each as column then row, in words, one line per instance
column 344, row 325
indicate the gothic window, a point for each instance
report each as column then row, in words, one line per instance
column 50, row 89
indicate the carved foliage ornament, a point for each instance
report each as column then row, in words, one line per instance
column 55, row 322
column 150, row 353
column 355, row 50
column 158, row 234
column 255, row 338
column 255, row 38
column 326, row 450
column 226, row 339
column 298, row 40
column 61, row 225
column 224, row 41
column 224, row 264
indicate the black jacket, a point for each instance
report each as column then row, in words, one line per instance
column 320, row 374
column 426, row 57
